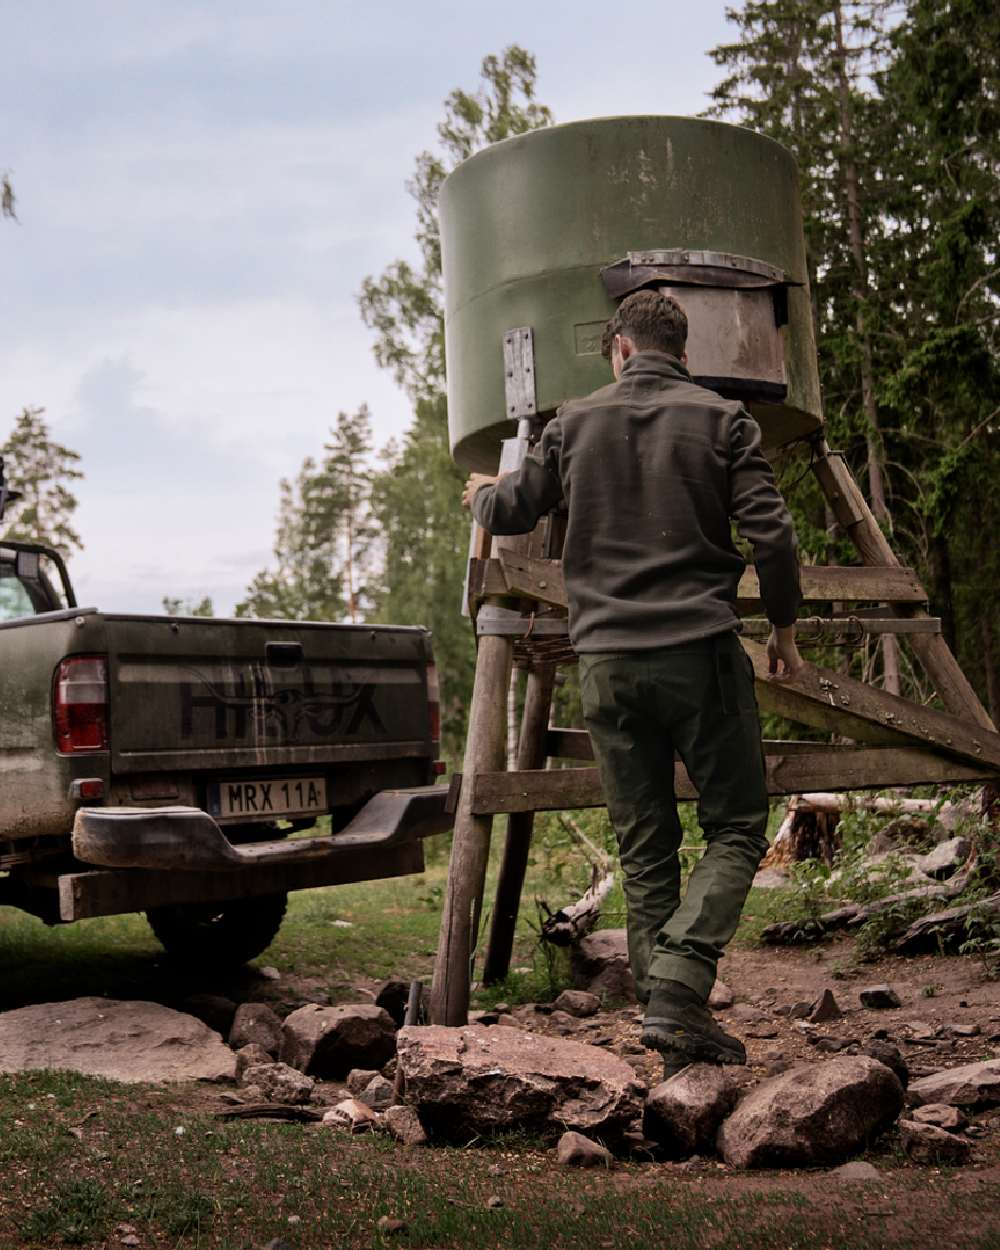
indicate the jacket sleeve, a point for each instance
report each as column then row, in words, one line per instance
column 763, row 519
column 518, row 499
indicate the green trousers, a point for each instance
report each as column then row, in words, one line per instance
column 640, row 707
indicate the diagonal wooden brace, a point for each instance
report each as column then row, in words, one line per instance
column 828, row 700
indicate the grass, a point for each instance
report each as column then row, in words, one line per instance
column 237, row 1185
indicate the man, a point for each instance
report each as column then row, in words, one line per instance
column 653, row 470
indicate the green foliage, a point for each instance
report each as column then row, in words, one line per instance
column 78, row 1211
column 426, row 537
column 42, row 470
column 404, row 306
column 325, row 544
column 188, row 607
column 415, row 497
column 895, row 122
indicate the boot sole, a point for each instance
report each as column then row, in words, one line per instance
column 694, row 1049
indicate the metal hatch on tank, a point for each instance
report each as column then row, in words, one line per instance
column 549, row 230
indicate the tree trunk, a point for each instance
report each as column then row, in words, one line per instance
column 990, row 666
column 852, row 197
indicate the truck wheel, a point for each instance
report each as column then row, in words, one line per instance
column 220, row 935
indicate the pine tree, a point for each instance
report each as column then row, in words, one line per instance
column 325, row 537
column 188, row 607
column 42, row 470
column 940, row 157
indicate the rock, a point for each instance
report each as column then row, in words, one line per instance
column 974, row 1085
column 475, row 1080
column 924, row 1143
column 800, row 1010
column 215, row 1010
column 946, row 858
column 744, row 1013
column 506, row 1020
column 941, row 1116
column 256, row 1023
column 964, row 1030
column 280, row 1083
column 825, row 1008
column 392, row 997
column 358, row 1079
column 814, row 1114
column 249, row 1057
column 577, row 1003
column 721, row 997
column 563, row 1023
column 404, row 1125
column 495, row 1202
column 892, row 1057
column 330, row 1041
column 484, row 1017
column 268, row 973
column 879, row 997
column 577, row 1151
column 123, row 1041
column 388, row 1226
column 351, row 1114
column 856, row 1170
column 770, row 879
column 378, row 1093
column 599, row 963
column 683, row 1113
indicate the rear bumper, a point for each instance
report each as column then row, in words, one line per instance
column 188, row 839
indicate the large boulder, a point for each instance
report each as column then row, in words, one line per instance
column 814, row 1114
column 973, row 1085
column 123, row 1041
column 330, row 1041
column 599, row 963
column 946, row 858
column 683, row 1113
column 479, row 1080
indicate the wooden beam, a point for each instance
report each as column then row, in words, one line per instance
column 847, row 768
column 849, row 630
column 838, row 583
column 831, row 701
column 575, row 744
column 513, row 573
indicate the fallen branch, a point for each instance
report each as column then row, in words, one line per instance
column 270, row 1111
column 853, row 915
column 569, row 924
column 944, row 925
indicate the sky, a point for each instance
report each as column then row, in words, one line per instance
column 201, row 190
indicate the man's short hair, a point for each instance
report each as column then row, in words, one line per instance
column 653, row 321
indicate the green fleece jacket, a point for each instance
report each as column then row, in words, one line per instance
column 654, row 470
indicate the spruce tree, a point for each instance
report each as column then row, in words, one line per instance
column 43, row 471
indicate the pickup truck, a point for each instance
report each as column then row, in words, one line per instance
column 170, row 765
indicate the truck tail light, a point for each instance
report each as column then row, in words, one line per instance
column 434, row 701
column 80, row 704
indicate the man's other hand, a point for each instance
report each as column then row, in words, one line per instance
column 783, row 659
column 476, row 480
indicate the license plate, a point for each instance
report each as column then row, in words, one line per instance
column 282, row 796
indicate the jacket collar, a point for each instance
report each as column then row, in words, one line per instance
column 656, row 364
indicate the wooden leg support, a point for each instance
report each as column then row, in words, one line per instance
column 531, row 751
column 858, row 522
column 485, row 751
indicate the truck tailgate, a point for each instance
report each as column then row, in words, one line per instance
column 241, row 693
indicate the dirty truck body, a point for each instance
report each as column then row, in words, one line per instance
column 161, row 764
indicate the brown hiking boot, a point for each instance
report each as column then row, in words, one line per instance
column 679, row 1025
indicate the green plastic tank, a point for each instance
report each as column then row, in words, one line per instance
column 548, row 231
